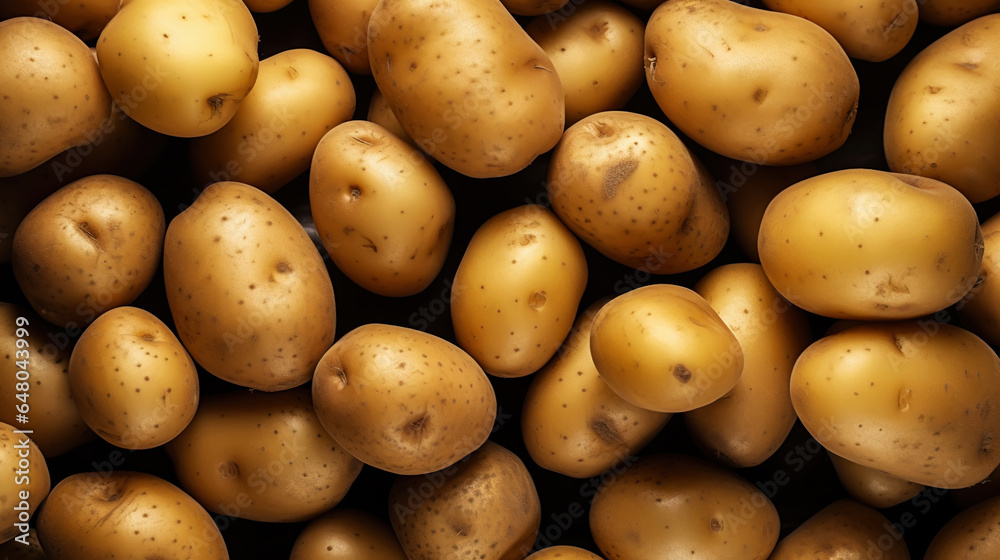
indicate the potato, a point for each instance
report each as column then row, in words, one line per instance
column 572, row 422
column 342, row 26
column 629, row 187
column 662, row 347
column 484, row 507
column 676, row 506
column 872, row 32
column 943, row 119
column 747, row 425
column 347, row 534
column 597, row 52
column 25, row 482
column 517, row 290
column 380, row 113
column 872, row 487
column 403, row 400
column 844, row 529
column 51, row 93
column 262, row 456
column 533, row 7
column 870, row 245
column 720, row 71
column 563, row 553
column 467, row 83
column 250, row 296
column 84, row 18
column 271, row 139
column 950, row 13
column 384, row 214
column 55, row 418
column 913, row 399
column 969, row 535
column 27, row 548
column 128, row 516
column 266, row 6
column 93, row 245
column 979, row 310
column 180, row 67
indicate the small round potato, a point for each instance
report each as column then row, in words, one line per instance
column 347, row 534
column 970, row 535
column 342, row 26
column 24, row 483
column 843, row 529
column 872, row 487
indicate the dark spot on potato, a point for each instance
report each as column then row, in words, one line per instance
column 682, row 373
column 616, row 174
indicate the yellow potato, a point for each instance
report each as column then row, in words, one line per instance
column 950, row 13
column 844, row 529
column 83, row 18
column 913, row 399
column 271, row 139
column 249, row 293
column 25, row 482
column 380, row 113
column 347, row 534
column 517, row 290
column 467, row 83
column 343, row 28
column 943, row 116
column 382, row 211
column 180, row 67
column 980, row 308
column 51, row 93
column 662, row 347
column 871, row 245
column 872, row 487
column 533, row 7
column 970, row 535
column 266, row 6
column 721, row 71
column 563, row 553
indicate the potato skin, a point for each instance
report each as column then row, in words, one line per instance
column 871, row 245
column 872, row 487
column 563, row 553
column 979, row 310
column 533, row 7
column 16, row 486
column 85, row 19
column 347, row 534
column 342, row 26
column 250, row 296
column 949, row 13
column 844, row 530
column 380, row 113
column 914, row 399
column 970, row 535
column 698, row 55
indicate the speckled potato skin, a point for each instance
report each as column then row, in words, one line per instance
column 382, row 211
column 119, row 514
column 251, row 297
column 342, row 26
column 347, row 534
column 440, row 516
column 93, row 245
column 872, row 487
column 662, row 347
column 36, row 482
column 943, row 120
column 748, row 424
column 51, row 93
column 517, row 290
column 563, row 553
column 572, row 422
column 262, row 456
column 914, row 399
column 871, row 245
column 845, row 530
column 403, row 400
column 628, row 186
column 950, row 13
column 467, row 83
column 678, row 506
column 971, row 535
column 719, row 71
column 133, row 382
column 979, row 310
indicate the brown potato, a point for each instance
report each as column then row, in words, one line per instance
column 843, row 529
column 872, row 487
column 347, row 534
column 970, row 535
column 25, row 482
column 343, row 28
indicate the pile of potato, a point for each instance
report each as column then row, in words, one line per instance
column 427, row 279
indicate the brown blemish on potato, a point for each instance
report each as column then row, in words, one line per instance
column 537, row 300
column 682, row 373
column 605, row 430
column 759, row 95
column 216, row 102
column 904, row 399
column 229, row 469
column 616, row 174
column 716, row 525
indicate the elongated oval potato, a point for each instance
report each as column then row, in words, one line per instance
column 871, row 245
column 517, row 290
column 249, row 293
column 979, row 310
column 467, row 83
column 403, row 400
column 597, row 52
column 180, row 67
column 629, row 187
column 342, row 26
column 133, row 382
column 85, row 18
column 720, row 71
column 126, row 515
column 747, row 425
column 662, row 347
column 25, row 482
column 262, row 456
column 52, row 96
column 563, row 553
column 271, row 139
column 677, row 506
column 914, row 399
column 969, row 535
column 347, row 534
column 491, row 479
column 943, row 116
column 949, row 13
column 874, row 32
column 572, row 422
column 872, row 487
column 383, row 212
column 844, row 529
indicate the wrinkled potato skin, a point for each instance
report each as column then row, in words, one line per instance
column 677, row 506
column 630, row 188
column 51, row 99
column 871, row 245
column 914, row 399
column 970, row 535
column 347, row 534
column 249, row 293
column 943, row 116
column 491, row 479
column 572, row 422
column 343, row 28
column 979, row 310
column 950, row 13
column 697, row 57
column 871, row 487
column 36, row 483
column 84, row 18
column 845, row 530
